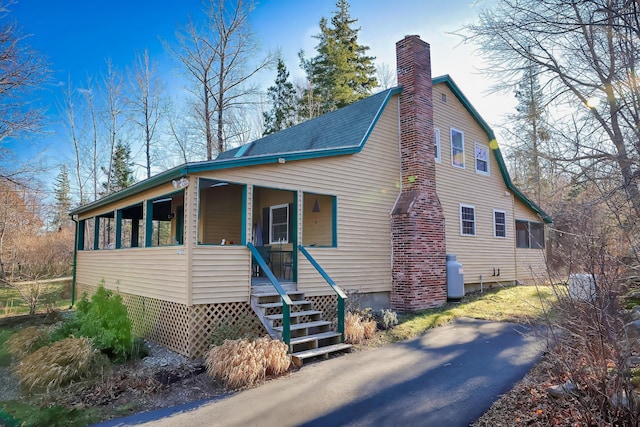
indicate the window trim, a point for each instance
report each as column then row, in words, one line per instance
column 452, row 130
column 437, row 155
column 271, row 224
column 462, row 233
column 488, row 160
column 495, row 224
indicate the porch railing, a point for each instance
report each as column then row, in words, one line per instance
column 339, row 292
column 286, row 300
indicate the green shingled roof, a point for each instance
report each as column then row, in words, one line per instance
column 344, row 131
column 345, row 128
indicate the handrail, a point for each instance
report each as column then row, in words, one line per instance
column 341, row 295
column 286, row 300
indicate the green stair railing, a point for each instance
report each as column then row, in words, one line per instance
column 286, row 300
column 339, row 292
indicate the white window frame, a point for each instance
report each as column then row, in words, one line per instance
column 436, row 143
column 271, row 224
column 462, row 166
column 462, row 233
column 478, row 146
column 495, row 224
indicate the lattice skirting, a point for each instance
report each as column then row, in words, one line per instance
column 179, row 327
column 328, row 304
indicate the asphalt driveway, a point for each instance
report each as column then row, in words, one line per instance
column 448, row 377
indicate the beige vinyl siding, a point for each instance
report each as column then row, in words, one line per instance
column 530, row 263
column 365, row 185
column 151, row 272
column 221, row 274
column 483, row 253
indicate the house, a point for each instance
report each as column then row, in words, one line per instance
column 371, row 197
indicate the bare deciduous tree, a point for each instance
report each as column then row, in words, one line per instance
column 587, row 52
column 22, row 70
column 114, row 116
column 146, row 103
column 220, row 58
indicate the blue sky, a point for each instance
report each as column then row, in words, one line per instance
column 78, row 35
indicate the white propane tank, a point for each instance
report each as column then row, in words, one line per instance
column 455, row 278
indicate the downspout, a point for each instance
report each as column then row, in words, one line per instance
column 74, row 218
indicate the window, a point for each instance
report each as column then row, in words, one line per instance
column 319, row 213
column 165, row 220
column 529, row 234
column 87, row 227
column 436, row 138
column 221, row 212
column 499, row 223
column 482, row 159
column 457, row 148
column 131, row 233
column 467, row 220
column 279, row 224
column 106, row 231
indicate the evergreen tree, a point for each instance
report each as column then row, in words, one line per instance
column 531, row 135
column 341, row 73
column 284, row 100
column 62, row 192
column 121, row 171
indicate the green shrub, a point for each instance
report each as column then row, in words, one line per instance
column 386, row 319
column 58, row 364
column 27, row 341
column 104, row 319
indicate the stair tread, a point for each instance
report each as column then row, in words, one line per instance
column 279, row 303
column 297, row 326
column 294, row 314
column 313, row 337
column 274, row 294
column 321, row 350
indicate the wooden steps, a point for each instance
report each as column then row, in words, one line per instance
column 311, row 335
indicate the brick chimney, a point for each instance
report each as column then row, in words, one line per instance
column 417, row 220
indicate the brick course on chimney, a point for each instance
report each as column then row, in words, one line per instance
column 417, row 220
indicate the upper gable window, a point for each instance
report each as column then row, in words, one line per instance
column 436, row 138
column 482, row 159
column 457, row 148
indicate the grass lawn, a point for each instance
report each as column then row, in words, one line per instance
column 55, row 294
column 519, row 304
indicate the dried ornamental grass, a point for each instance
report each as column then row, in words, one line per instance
column 244, row 363
column 274, row 353
column 27, row 341
column 370, row 327
column 353, row 329
column 57, row 365
column 357, row 330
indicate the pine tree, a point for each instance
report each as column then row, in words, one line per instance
column 121, row 171
column 531, row 135
column 341, row 73
column 62, row 192
column 284, row 100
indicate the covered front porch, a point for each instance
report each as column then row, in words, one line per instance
column 274, row 220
